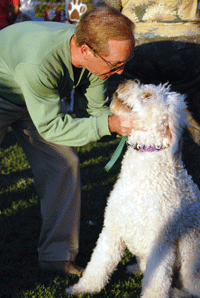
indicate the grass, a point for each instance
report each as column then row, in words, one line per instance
column 20, row 224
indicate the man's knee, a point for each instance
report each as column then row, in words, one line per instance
column 68, row 160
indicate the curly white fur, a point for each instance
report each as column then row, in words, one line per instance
column 154, row 208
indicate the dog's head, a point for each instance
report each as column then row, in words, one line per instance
column 158, row 111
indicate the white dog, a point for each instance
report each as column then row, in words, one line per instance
column 154, row 208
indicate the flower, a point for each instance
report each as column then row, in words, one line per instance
column 159, row 13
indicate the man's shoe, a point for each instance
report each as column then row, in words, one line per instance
column 65, row 267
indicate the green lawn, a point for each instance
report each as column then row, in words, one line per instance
column 21, row 222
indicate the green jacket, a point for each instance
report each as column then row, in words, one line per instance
column 36, row 71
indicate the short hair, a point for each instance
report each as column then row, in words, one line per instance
column 101, row 24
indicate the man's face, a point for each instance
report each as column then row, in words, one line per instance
column 105, row 66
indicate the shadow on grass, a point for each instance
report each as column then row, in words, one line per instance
column 12, row 178
column 9, row 140
column 19, row 236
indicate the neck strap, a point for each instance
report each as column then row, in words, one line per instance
column 116, row 154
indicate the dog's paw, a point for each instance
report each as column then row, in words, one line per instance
column 72, row 290
column 176, row 293
column 83, row 287
column 75, row 9
column 133, row 269
column 69, row 290
column 77, row 289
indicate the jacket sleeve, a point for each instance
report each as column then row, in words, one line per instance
column 91, row 97
column 42, row 99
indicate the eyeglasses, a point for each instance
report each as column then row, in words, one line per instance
column 113, row 68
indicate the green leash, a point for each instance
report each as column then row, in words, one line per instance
column 116, row 154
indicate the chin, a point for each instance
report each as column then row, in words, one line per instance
column 103, row 77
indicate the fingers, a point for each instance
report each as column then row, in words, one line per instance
column 122, row 125
column 127, row 125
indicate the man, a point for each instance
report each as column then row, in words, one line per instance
column 48, row 61
column 9, row 10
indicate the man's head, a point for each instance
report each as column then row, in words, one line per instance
column 108, row 36
column 101, row 24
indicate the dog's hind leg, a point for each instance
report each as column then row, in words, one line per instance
column 189, row 249
column 105, row 257
column 178, row 293
column 133, row 269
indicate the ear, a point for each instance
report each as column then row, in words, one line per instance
column 86, row 52
column 177, row 121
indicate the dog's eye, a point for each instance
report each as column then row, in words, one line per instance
column 147, row 95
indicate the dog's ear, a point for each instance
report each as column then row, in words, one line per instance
column 177, row 120
column 174, row 135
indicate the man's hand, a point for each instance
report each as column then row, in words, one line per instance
column 122, row 125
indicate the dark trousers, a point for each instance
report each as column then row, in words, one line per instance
column 57, row 181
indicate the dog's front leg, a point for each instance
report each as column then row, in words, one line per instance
column 105, row 257
column 158, row 274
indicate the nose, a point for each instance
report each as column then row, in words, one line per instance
column 120, row 70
